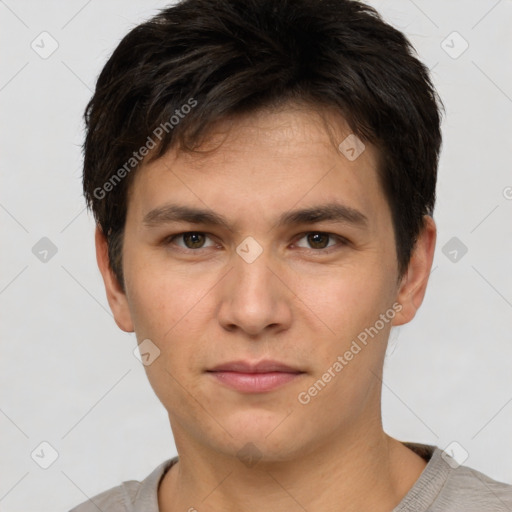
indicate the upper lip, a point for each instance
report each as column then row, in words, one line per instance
column 265, row 366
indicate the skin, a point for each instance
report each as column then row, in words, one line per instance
column 295, row 304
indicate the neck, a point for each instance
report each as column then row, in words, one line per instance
column 363, row 470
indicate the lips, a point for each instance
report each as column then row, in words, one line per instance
column 260, row 377
column 260, row 367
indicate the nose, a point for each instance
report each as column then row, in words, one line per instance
column 254, row 298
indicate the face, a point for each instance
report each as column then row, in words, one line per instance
column 265, row 273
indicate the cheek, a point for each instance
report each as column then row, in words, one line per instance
column 175, row 313
column 344, row 300
column 152, row 312
column 160, row 301
column 168, row 312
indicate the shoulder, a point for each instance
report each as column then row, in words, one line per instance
column 116, row 499
column 447, row 486
column 470, row 490
column 122, row 498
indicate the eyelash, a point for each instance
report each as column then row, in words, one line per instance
column 341, row 241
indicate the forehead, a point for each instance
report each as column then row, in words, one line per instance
column 287, row 132
column 266, row 162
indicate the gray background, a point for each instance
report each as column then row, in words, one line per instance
column 68, row 374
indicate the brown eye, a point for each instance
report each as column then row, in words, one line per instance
column 318, row 240
column 190, row 240
column 193, row 240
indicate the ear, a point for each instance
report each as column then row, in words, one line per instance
column 414, row 282
column 116, row 297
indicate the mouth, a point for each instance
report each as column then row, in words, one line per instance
column 261, row 377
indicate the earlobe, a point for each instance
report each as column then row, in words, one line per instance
column 115, row 295
column 414, row 283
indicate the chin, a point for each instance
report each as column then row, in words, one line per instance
column 267, row 440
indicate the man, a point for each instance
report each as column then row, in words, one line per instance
column 263, row 175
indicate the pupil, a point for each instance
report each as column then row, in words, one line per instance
column 315, row 240
column 195, row 238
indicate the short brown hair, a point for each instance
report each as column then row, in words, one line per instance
column 235, row 56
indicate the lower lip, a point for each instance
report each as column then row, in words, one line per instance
column 255, row 382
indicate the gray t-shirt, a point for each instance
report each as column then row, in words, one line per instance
column 443, row 486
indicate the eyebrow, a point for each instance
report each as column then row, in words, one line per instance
column 332, row 212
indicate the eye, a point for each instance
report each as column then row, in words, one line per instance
column 318, row 241
column 191, row 240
